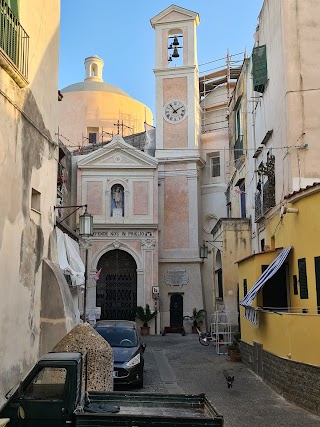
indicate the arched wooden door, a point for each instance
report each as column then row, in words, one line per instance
column 176, row 311
column 117, row 286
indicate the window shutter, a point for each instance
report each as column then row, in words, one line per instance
column 245, row 287
column 259, row 68
column 295, row 285
column 317, row 271
column 303, row 278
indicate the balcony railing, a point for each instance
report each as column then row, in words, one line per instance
column 238, row 148
column 14, row 41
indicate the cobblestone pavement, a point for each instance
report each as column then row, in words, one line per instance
column 176, row 364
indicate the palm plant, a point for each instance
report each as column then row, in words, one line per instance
column 197, row 316
column 145, row 314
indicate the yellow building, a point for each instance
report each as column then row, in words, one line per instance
column 93, row 111
column 281, row 341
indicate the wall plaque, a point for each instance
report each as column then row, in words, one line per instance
column 176, row 276
column 116, row 233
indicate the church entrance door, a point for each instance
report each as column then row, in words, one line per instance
column 117, row 286
column 176, row 311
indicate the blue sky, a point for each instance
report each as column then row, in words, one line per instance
column 121, row 34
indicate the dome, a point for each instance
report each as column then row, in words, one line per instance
column 93, row 111
column 93, row 86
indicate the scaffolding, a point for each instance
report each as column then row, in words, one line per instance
column 215, row 86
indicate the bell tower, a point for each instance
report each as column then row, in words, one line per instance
column 178, row 154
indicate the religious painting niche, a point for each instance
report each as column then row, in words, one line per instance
column 117, row 200
column 117, row 286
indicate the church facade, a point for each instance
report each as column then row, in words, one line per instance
column 154, row 196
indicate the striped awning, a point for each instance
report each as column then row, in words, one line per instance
column 246, row 302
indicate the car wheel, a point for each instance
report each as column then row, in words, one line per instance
column 140, row 383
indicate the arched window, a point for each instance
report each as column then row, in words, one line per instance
column 94, row 70
column 117, row 200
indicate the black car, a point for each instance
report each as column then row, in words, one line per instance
column 125, row 340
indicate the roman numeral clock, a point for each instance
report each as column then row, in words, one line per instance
column 174, row 111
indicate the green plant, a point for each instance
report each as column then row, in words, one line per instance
column 197, row 316
column 235, row 345
column 145, row 314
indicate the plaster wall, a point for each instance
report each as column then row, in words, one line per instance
column 289, row 104
column 191, row 291
column 233, row 240
column 28, row 161
column 175, row 89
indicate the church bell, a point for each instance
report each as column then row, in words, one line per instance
column 175, row 41
column 175, row 53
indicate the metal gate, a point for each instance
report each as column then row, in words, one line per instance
column 117, row 286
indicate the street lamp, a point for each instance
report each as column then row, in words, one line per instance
column 85, row 231
column 204, row 251
column 85, row 224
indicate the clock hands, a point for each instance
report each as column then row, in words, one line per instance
column 175, row 110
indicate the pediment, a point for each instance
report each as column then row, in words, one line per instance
column 117, row 155
column 174, row 13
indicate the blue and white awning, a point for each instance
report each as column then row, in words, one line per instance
column 250, row 313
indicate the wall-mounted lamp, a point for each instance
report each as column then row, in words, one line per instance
column 85, row 220
column 204, row 251
column 85, row 230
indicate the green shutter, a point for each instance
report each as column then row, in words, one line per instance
column 14, row 6
column 259, row 68
column 303, row 278
column 317, row 271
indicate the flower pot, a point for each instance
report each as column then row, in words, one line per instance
column 234, row 355
column 145, row 330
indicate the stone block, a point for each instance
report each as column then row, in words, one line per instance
column 84, row 339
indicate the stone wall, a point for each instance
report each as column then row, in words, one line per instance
column 295, row 381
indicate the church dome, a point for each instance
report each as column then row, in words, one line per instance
column 91, row 86
column 93, row 111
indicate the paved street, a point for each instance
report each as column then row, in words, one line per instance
column 180, row 364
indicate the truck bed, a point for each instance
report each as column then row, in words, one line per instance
column 149, row 409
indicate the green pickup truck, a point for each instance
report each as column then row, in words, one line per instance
column 52, row 395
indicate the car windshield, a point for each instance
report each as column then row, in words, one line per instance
column 118, row 337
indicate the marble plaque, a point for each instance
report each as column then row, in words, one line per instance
column 176, row 276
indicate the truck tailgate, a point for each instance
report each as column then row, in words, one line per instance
column 150, row 409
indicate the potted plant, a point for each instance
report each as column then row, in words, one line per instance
column 145, row 315
column 234, row 349
column 197, row 319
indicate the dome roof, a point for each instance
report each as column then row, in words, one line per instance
column 89, row 86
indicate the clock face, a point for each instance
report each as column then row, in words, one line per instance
column 175, row 111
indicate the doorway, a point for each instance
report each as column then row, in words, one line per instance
column 176, row 311
column 117, row 286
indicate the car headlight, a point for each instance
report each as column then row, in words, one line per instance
column 134, row 361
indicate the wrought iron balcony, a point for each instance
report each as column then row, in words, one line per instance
column 14, row 44
column 266, row 199
column 238, row 148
